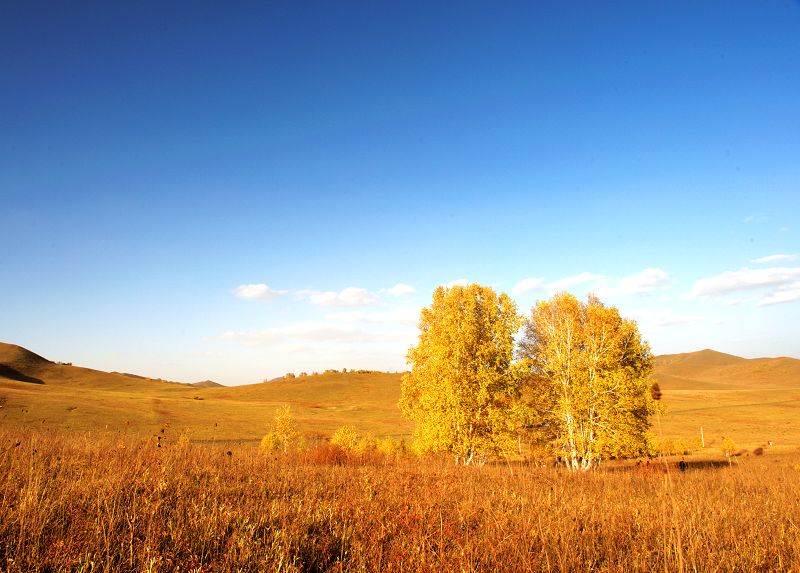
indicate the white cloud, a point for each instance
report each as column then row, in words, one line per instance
column 256, row 291
column 774, row 259
column 527, row 285
column 735, row 301
column 458, row 282
column 787, row 294
column 405, row 315
column 400, row 289
column 646, row 281
column 745, row 279
column 351, row 296
column 567, row 282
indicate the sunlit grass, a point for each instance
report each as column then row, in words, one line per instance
column 89, row 503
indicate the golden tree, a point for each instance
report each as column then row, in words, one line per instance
column 463, row 388
column 284, row 431
column 589, row 380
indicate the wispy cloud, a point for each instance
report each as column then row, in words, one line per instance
column 527, row 285
column 257, row 291
column 745, row 280
column 774, row 259
column 644, row 282
column 457, row 282
column 351, row 296
column 400, row 289
column 573, row 280
column 789, row 293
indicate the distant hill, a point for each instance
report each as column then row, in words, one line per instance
column 710, row 369
column 76, row 398
column 206, row 384
column 17, row 363
column 752, row 400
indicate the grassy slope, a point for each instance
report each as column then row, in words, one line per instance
column 83, row 399
column 752, row 401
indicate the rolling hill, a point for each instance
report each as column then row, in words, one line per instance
column 752, row 400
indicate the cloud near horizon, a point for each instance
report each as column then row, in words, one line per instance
column 774, row 259
column 257, row 291
column 644, row 282
column 401, row 289
column 527, row 285
column 782, row 284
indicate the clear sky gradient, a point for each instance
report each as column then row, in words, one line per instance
column 238, row 190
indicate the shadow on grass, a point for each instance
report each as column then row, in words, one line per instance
column 656, row 465
column 12, row 374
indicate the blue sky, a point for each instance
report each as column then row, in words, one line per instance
column 232, row 192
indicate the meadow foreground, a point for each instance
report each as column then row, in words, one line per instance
column 107, row 504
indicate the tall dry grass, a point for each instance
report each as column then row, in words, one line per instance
column 93, row 504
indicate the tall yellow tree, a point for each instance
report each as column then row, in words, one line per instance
column 589, row 376
column 463, row 388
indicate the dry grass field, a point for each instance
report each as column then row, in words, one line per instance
column 84, row 485
column 121, row 504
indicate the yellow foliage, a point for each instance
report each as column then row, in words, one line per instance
column 270, row 443
column 463, row 384
column 589, row 380
column 345, row 437
column 367, row 443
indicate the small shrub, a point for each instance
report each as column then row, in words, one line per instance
column 728, row 447
column 270, row 443
column 285, row 427
column 388, row 447
column 327, row 454
column 345, row 437
column 367, row 444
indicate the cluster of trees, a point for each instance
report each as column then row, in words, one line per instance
column 576, row 385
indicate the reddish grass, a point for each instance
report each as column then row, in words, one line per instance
column 93, row 504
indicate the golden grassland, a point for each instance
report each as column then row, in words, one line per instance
column 751, row 401
column 99, row 503
column 85, row 487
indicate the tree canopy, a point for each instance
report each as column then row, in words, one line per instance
column 589, row 381
column 464, row 387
